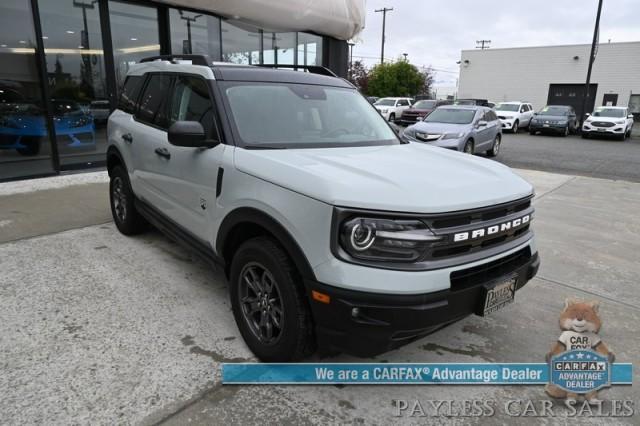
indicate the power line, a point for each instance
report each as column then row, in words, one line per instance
column 384, row 11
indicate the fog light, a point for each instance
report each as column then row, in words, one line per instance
column 355, row 312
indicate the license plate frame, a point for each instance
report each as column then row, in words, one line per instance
column 498, row 294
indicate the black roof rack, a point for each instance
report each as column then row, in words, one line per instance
column 314, row 69
column 195, row 59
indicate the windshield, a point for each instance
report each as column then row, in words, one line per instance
column 424, row 104
column 507, row 107
column 465, row 102
column 284, row 115
column 386, row 102
column 555, row 110
column 609, row 112
column 451, row 116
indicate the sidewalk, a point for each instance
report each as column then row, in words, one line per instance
column 97, row 327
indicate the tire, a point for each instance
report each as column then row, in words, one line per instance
column 468, row 147
column 566, row 132
column 122, row 201
column 584, row 135
column 392, row 117
column 259, row 263
column 532, row 132
column 32, row 146
column 516, row 127
column 495, row 149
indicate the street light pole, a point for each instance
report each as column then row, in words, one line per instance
column 189, row 20
column 592, row 58
column 384, row 11
column 351, row 60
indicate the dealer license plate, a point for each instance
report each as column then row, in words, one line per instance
column 499, row 295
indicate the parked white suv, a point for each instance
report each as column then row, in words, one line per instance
column 608, row 121
column 391, row 108
column 514, row 115
column 332, row 232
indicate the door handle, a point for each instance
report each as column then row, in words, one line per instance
column 163, row 152
column 127, row 137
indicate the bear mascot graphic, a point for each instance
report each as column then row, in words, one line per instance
column 580, row 324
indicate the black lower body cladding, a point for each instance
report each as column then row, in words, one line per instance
column 367, row 324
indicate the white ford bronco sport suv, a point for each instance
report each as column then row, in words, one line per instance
column 334, row 233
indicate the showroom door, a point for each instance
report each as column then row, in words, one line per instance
column 610, row 99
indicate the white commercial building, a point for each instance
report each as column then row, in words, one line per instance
column 553, row 75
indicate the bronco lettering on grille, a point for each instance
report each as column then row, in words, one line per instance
column 491, row 230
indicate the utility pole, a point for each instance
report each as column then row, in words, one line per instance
column 351, row 60
column 592, row 58
column 87, row 72
column 384, row 11
column 483, row 44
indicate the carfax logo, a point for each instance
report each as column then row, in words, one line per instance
column 579, row 362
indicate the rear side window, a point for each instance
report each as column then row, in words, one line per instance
column 153, row 103
column 191, row 102
column 130, row 94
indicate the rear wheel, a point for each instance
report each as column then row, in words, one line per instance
column 392, row 117
column 468, row 147
column 269, row 303
column 495, row 149
column 515, row 127
column 531, row 131
column 122, row 201
column 31, row 146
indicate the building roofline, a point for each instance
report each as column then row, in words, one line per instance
column 552, row 46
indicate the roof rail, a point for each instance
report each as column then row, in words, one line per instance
column 195, row 59
column 314, row 69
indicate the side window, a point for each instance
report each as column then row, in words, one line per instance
column 403, row 102
column 153, row 104
column 191, row 102
column 130, row 92
column 490, row 116
column 523, row 108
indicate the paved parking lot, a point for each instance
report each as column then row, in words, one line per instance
column 604, row 158
column 97, row 327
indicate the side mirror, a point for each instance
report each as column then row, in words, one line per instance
column 482, row 123
column 189, row 134
column 630, row 116
column 588, row 114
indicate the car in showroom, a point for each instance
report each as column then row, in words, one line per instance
column 334, row 233
column 466, row 128
column 555, row 119
column 514, row 115
column 608, row 121
column 392, row 108
column 23, row 126
column 419, row 110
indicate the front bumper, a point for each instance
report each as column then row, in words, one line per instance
column 382, row 322
column 617, row 130
column 507, row 124
column 550, row 128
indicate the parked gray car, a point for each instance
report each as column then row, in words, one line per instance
column 467, row 128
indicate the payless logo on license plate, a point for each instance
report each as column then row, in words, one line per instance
column 499, row 296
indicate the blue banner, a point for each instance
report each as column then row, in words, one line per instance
column 423, row 374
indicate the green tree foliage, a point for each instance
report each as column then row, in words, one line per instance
column 396, row 79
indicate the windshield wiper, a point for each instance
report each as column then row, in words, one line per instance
column 264, row 146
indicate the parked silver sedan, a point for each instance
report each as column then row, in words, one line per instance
column 466, row 128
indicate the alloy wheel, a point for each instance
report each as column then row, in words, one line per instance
column 119, row 198
column 468, row 148
column 261, row 303
column 496, row 145
column 515, row 127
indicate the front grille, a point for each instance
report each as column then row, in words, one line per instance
column 491, row 221
column 488, row 272
column 602, row 124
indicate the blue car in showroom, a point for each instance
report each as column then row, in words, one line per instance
column 466, row 128
column 23, row 126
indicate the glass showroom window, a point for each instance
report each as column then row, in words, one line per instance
column 195, row 33
column 134, row 33
column 24, row 143
column 309, row 49
column 279, row 48
column 240, row 43
column 77, row 80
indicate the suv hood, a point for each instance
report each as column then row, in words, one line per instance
column 411, row 177
column 432, row 127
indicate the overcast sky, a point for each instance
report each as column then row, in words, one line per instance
column 433, row 32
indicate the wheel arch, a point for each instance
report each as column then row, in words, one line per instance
column 114, row 158
column 244, row 223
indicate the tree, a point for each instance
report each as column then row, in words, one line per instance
column 359, row 77
column 396, row 79
column 427, row 72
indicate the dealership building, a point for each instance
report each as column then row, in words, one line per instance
column 62, row 62
column 554, row 75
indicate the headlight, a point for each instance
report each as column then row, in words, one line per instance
column 390, row 240
column 453, row 135
column 384, row 111
column 620, row 122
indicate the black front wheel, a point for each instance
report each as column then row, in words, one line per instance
column 268, row 302
column 468, row 147
column 495, row 149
